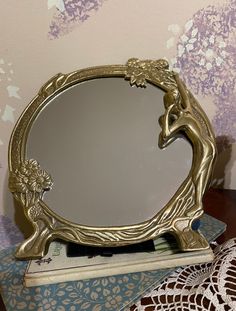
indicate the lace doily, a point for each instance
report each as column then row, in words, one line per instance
column 204, row 287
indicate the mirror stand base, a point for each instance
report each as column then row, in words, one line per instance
column 189, row 239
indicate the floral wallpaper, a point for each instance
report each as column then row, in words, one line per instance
column 69, row 14
column 206, row 58
column 64, row 35
column 9, row 233
column 8, row 82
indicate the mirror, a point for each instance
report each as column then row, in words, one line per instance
column 101, row 138
column 126, row 152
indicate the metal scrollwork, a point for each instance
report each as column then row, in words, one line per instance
column 183, row 115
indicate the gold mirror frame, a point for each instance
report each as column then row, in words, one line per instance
column 183, row 114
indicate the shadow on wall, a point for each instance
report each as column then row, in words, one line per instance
column 14, row 211
column 224, row 162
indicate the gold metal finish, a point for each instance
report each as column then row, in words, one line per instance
column 183, row 115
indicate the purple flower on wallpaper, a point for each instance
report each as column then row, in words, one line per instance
column 9, row 233
column 71, row 13
column 206, row 59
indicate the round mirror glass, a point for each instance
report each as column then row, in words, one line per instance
column 99, row 141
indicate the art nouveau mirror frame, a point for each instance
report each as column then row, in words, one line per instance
column 183, row 115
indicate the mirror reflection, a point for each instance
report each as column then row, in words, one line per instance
column 99, row 142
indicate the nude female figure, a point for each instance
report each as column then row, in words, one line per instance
column 179, row 117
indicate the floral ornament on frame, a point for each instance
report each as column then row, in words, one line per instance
column 29, row 182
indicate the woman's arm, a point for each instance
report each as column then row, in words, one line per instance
column 183, row 92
